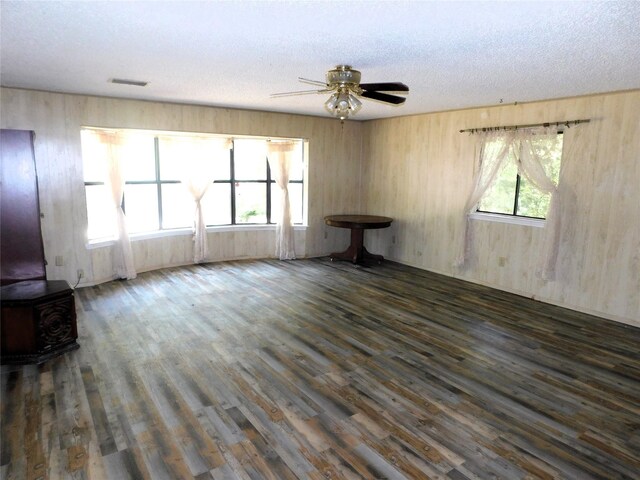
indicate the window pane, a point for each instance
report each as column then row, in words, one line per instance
column 178, row 207
column 295, row 199
column 141, row 208
column 549, row 151
column 296, row 171
column 222, row 166
column 500, row 197
column 250, row 159
column 174, row 153
column 531, row 201
column 251, row 203
column 93, row 157
column 138, row 158
column 170, row 158
column 100, row 213
column 216, row 204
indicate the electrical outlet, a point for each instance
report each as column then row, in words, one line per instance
column 502, row 261
column 59, row 260
column 80, row 273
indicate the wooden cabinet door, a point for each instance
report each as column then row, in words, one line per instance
column 21, row 248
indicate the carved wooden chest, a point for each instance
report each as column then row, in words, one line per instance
column 38, row 321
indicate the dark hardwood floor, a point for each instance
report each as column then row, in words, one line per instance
column 311, row 369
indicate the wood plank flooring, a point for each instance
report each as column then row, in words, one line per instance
column 312, row 369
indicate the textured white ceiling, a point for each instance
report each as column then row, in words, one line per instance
column 235, row 54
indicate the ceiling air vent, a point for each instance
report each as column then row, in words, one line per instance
column 123, row 81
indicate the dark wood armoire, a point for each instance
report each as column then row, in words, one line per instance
column 38, row 316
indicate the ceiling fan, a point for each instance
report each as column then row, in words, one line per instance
column 343, row 82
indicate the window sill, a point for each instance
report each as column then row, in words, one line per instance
column 513, row 220
column 135, row 237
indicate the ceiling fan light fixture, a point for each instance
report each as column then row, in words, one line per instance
column 354, row 104
column 342, row 107
column 343, row 83
column 342, row 104
column 330, row 104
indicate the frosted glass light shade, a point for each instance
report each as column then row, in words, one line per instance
column 354, row 104
column 330, row 104
column 342, row 104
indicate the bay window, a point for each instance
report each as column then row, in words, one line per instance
column 155, row 199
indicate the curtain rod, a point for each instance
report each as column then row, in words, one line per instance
column 566, row 123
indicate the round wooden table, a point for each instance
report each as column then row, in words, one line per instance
column 358, row 224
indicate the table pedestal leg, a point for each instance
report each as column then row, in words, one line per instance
column 356, row 251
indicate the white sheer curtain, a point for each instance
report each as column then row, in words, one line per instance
column 198, row 157
column 529, row 149
column 533, row 156
column 279, row 155
column 122, row 257
column 495, row 148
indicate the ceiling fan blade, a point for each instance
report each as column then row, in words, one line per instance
column 312, row 82
column 385, row 87
column 299, row 92
column 383, row 97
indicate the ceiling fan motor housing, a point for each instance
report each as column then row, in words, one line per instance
column 343, row 75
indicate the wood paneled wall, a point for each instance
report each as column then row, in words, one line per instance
column 333, row 177
column 415, row 169
column 419, row 170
